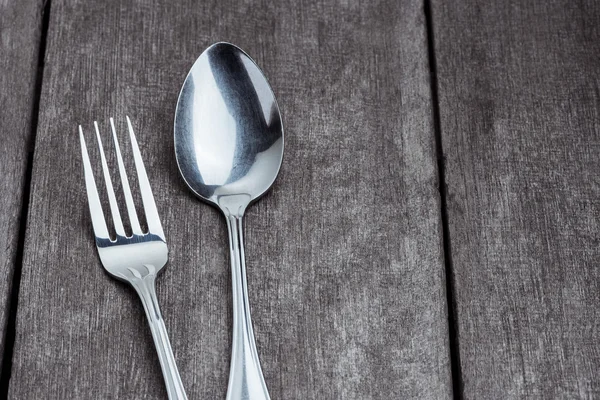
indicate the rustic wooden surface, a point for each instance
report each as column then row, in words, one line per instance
column 345, row 259
column 20, row 26
column 519, row 107
column 345, row 254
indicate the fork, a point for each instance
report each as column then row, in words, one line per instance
column 138, row 258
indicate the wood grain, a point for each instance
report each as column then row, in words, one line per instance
column 344, row 254
column 20, row 26
column 519, row 101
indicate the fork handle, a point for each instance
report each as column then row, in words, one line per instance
column 145, row 288
column 246, row 380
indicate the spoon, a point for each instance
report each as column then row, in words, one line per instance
column 229, row 147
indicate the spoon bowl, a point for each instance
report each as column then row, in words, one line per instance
column 228, row 129
column 229, row 148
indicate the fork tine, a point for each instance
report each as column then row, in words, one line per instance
column 112, row 200
column 133, row 219
column 152, row 218
column 98, row 222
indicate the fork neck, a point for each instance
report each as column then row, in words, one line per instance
column 145, row 286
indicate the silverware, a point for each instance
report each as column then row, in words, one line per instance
column 229, row 148
column 135, row 259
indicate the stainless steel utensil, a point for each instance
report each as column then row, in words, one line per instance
column 229, row 148
column 138, row 258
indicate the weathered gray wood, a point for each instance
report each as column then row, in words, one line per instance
column 20, row 27
column 344, row 255
column 519, row 100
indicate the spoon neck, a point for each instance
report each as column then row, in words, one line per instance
column 233, row 206
column 234, row 223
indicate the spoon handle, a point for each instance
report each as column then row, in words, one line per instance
column 246, row 380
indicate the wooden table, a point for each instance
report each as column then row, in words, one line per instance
column 434, row 231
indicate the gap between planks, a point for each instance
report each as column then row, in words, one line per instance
column 9, row 339
column 457, row 381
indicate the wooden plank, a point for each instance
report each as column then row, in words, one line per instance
column 20, row 27
column 519, row 100
column 344, row 255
